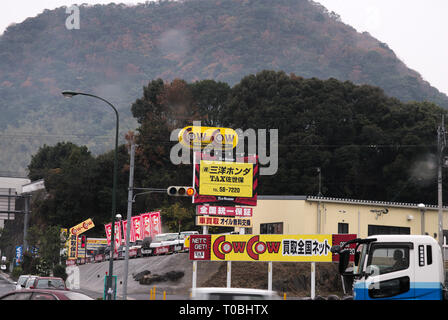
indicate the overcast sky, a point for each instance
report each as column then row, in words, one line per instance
column 416, row 30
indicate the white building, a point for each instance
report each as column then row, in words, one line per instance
column 9, row 187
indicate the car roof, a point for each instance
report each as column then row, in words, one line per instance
column 403, row 238
column 59, row 293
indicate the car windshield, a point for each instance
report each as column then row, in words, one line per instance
column 50, row 284
column 22, row 280
column 387, row 258
column 171, row 237
column 30, row 281
column 165, row 237
column 159, row 237
column 184, row 235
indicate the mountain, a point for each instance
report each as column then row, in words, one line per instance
column 119, row 49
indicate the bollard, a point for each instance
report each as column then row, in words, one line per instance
column 284, row 296
column 150, row 294
column 164, row 295
column 154, row 293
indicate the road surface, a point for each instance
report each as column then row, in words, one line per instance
column 5, row 286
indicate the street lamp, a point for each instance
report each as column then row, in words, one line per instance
column 70, row 94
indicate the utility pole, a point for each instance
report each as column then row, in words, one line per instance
column 441, row 142
column 128, row 219
column 320, row 182
column 25, row 222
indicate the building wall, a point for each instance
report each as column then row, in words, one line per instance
column 300, row 215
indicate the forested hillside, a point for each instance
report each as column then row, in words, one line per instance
column 119, row 49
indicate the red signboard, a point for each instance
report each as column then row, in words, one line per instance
column 340, row 239
column 200, row 246
column 224, row 211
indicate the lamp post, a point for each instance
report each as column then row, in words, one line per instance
column 70, row 94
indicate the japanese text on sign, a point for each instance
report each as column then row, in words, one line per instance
column 233, row 179
column 305, row 247
column 224, row 222
column 224, row 211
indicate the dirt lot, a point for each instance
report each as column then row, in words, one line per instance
column 290, row 278
column 294, row 279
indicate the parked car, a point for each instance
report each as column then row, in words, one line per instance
column 30, row 281
column 184, row 238
column 48, row 283
column 42, row 294
column 21, row 282
column 98, row 255
column 107, row 253
column 185, row 234
column 146, row 248
column 137, row 246
column 121, row 251
column 220, row 293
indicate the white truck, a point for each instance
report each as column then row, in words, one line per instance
column 394, row 267
column 162, row 243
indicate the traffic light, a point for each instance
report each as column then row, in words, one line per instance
column 176, row 191
column 83, row 241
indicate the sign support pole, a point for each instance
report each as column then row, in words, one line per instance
column 270, row 276
column 194, row 277
column 313, row 280
column 229, row 274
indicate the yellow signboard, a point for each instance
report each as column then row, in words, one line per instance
column 82, row 227
column 198, row 137
column 271, row 247
column 224, row 221
column 231, row 179
column 73, row 237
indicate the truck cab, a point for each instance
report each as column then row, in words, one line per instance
column 394, row 267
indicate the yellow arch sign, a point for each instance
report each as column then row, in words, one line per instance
column 198, row 138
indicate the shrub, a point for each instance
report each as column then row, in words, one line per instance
column 59, row 271
column 16, row 273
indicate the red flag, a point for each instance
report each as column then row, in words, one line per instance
column 137, row 228
column 117, row 239
column 156, row 223
column 108, row 228
column 146, row 221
